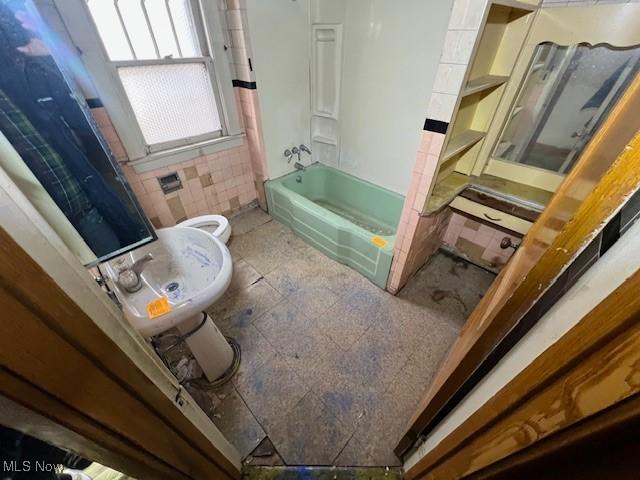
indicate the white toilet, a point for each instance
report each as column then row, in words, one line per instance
column 217, row 225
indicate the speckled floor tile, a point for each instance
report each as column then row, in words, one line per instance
column 351, row 455
column 386, row 348
column 448, row 286
column 237, row 424
column 282, row 325
column 348, row 319
column 434, row 345
column 380, row 433
column 309, row 354
column 314, row 300
column 301, row 269
column 267, row 247
column 408, row 386
column 254, row 350
column 265, row 454
column 309, row 434
column 243, row 276
column 271, row 390
column 248, row 221
column 348, row 384
column 238, row 309
column 270, row 257
column 333, row 365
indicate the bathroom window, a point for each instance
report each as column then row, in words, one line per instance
column 162, row 72
column 567, row 94
column 158, row 51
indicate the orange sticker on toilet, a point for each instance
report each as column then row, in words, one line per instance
column 158, row 307
column 378, row 241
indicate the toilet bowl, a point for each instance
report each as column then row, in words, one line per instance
column 217, row 225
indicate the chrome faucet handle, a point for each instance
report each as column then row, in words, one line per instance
column 304, row 148
column 296, row 151
column 288, row 155
column 139, row 264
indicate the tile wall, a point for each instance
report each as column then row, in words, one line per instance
column 246, row 93
column 415, row 238
column 478, row 242
column 419, row 236
column 219, row 183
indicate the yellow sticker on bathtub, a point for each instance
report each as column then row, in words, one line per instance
column 378, row 241
column 158, row 307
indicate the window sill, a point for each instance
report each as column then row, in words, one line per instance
column 172, row 156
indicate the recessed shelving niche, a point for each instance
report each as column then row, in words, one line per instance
column 500, row 42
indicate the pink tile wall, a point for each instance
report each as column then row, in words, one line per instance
column 219, row 183
column 248, row 101
column 478, row 242
column 247, row 98
column 213, row 184
column 418, row 236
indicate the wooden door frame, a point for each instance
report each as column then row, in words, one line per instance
column 581, row 384
column 605, row 176
column 69, row 358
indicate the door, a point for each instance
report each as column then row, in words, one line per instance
column 593, row 190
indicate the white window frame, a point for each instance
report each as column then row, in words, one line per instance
column 211, row 24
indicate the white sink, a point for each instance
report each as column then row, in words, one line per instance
column 192, row 269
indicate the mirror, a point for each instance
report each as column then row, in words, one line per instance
column 566, row 95
column 57, row 139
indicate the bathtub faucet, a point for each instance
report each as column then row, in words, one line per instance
column 299, row 150
column 304, row 148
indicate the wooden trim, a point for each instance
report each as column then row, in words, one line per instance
column 58, row 424
column 587, row 370
column 616, row 425
column 62, row 352
column 592, row 193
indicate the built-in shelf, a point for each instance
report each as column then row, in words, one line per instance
column 459, row 143
column 516, row 4
column 325, row 140
column 482, row 83
column 501, row 38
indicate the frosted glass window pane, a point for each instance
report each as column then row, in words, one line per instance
column 137, row 29
column 185, row 28
column 106, row 19
column 105, row 16
column 171, row 102
column 159, row 19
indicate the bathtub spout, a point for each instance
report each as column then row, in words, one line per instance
column 299, row 166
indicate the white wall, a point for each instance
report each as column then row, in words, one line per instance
column 609, row 272
column 279, row 31
column 390, row 57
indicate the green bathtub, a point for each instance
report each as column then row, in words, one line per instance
column 348, row 219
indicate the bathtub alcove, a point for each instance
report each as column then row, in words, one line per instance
column 350, row 220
